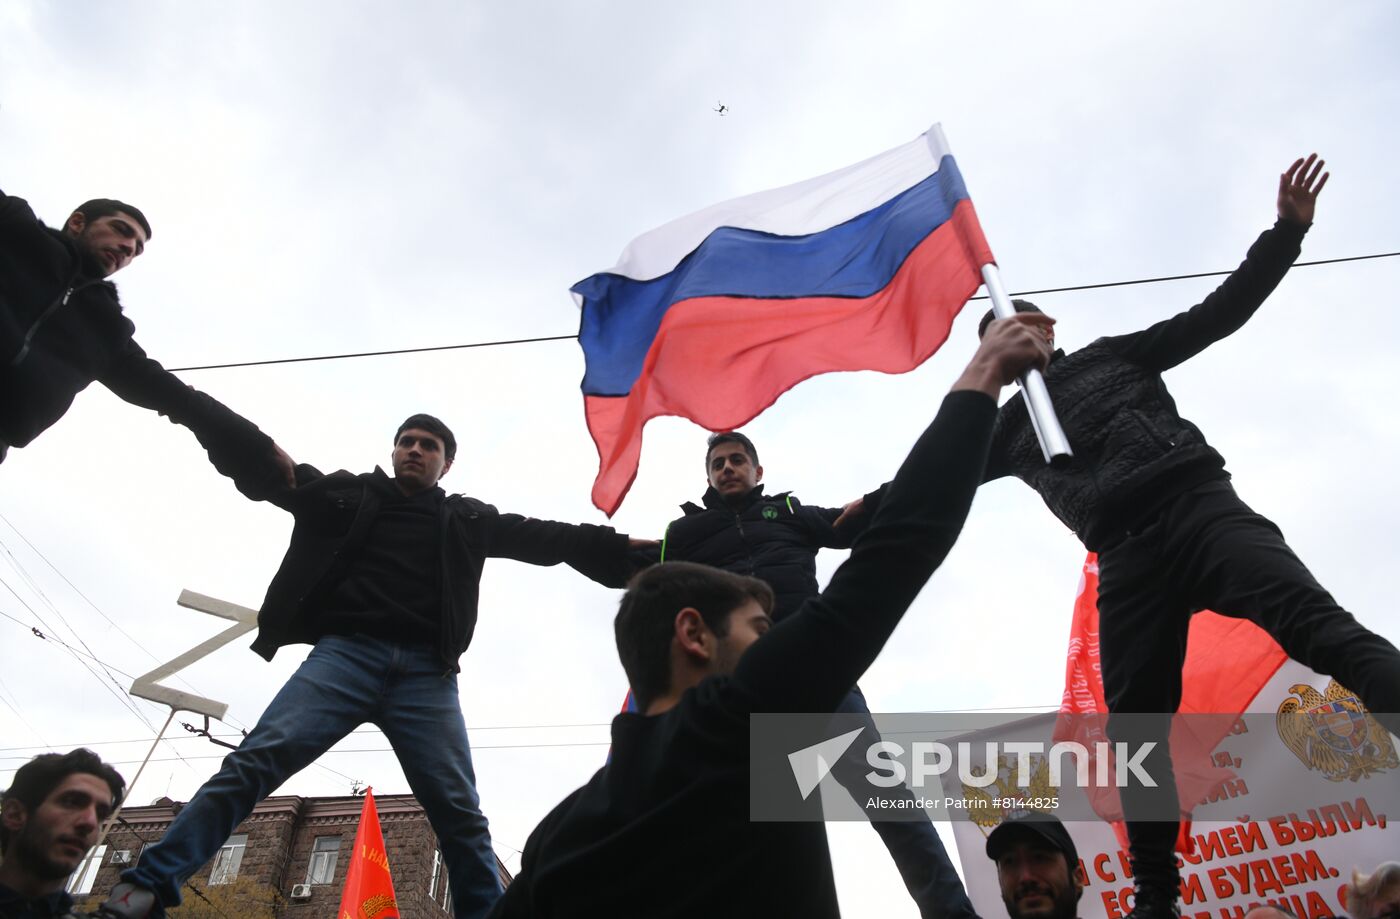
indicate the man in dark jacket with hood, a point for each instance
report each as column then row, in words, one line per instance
column 62, row 327
column 382, row 577
column 776, row 538
column 1150, row 496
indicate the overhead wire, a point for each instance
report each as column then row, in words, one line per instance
column 543, row 338
column 97, row 609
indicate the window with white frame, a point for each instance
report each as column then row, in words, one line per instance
column 439, row 890
column 324, row 853
column 82, row 880
column 227, row 861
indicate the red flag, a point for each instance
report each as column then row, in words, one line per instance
column 1227, row 662
column 369, row 887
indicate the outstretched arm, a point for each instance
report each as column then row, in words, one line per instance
column 1171, row 341
column 597, row 552
column 809, row 661
column 236, row 447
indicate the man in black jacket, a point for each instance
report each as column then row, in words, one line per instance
column 1152, row 498
column 664, row 828
column 776, row 539
column 382, row 577
column 50, row 817
column 62, row 327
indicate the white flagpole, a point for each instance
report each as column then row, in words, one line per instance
column 1053, row 443
column 116, row 811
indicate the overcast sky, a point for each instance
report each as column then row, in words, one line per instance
column 348, row 177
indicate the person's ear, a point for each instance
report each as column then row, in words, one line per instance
column 693, row 636
column 76, row 222
column 758, row 474
column 445, row 466
column 14, row 815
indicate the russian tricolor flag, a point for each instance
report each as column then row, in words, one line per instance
column 714, row 316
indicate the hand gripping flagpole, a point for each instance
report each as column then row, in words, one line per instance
column 147, row 686
column 1053, row 443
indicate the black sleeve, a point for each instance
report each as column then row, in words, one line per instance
column 645, row 557
column 597, row 552
column 235, row 445
column 820, row 524
column 294, row 500
column 1171, row 341
column 998, row 464
column 809, row 661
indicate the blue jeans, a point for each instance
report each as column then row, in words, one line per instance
column 914, row 845
column 344, row 683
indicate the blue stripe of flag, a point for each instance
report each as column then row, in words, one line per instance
column 621, row 316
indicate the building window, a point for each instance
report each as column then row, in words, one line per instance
column 439, row 890
column 82, row 880
column 324, row 852
column 227, row 861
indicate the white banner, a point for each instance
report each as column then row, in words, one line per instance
column 1300, row 859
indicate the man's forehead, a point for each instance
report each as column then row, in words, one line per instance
column 84, row 782
column 135, row 224
column 728, row 448
column 420, row 434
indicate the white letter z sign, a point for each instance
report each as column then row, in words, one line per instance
column 147, row 686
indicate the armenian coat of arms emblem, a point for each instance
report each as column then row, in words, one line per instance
column 1331, row 732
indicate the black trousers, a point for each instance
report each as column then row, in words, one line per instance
column 1208, row 550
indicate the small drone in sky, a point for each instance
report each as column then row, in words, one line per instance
column 721, row 108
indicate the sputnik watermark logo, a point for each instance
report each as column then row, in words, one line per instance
column 978, row 767
column 845, row 766
column 933, row 759
column 812, row 764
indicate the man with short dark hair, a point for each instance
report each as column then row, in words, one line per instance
column 1153, row 499
column 776, row 538
column 1037, row 866
column 62, row 327
column 382, row 576
column 49, row 818
column 664, row 828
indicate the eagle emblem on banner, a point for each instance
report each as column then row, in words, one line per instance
column 987, row 807
column 1331, row 732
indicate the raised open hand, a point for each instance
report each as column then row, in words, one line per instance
column 1299, row 187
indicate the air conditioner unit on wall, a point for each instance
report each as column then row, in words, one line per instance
column 301, row 891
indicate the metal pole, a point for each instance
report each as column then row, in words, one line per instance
column 1053, row 443
column 112, row 818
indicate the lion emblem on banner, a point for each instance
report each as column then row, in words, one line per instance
column 984, row 807
column 1331, row 732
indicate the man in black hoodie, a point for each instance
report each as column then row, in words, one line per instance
column 382, row 576
column 776, row 538
column 1150, row 496
column 62, row 327
column 664, row 828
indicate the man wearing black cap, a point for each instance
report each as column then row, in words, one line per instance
column 62, row 327
column 1037, row 867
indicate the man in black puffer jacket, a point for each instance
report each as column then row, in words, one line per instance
column 1150, row 496
column 776, row 538
column 62, row 327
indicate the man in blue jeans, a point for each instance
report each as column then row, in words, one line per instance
column 776, row 538
column 382, row 576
